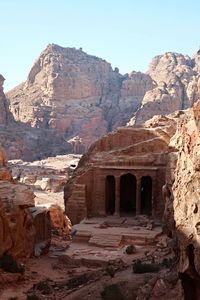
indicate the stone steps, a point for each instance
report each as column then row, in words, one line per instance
column 105, row 240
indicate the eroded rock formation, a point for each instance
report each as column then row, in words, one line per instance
column 21, row 141
column 79, row 98
column 177, row 77
column 17, row 232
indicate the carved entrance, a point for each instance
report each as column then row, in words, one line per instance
column 128, row 194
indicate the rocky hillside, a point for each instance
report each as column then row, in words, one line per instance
column 78, row 97
column 20, row 140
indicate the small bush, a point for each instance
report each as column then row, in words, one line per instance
column 13, row 298
column 130, row 249
column 139, row 267
column 111, row 271
column 167, row 262
column 44, row 287
column 9, row 264
column 32, row 297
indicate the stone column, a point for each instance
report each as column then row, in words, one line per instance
column 153, row 196
column 99, row 194
column 117, row 196
column 138, row 195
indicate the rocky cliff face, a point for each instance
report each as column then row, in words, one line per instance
column 22, row 141
column 177, row 77
column 182, row 199
column 78, row 97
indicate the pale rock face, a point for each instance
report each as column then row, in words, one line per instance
column 77, row 96
column 177, row 79
column 67, row 91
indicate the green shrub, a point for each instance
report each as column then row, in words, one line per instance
column 139, row 267
column 13, row 298
column 9, row 264
column 130, row 249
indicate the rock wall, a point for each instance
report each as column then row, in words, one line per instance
column 182, row 194
column 19, row 232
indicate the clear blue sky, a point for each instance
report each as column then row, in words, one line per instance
column 126, row 33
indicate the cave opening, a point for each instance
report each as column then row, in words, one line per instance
column 190, row 280
column 110, row 195
column 127, row 194
column 189, row 287
column 146, row 195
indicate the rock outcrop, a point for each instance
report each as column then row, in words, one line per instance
column 16, row 226
column 19, row 231
column 177, row 77
column 21, row 141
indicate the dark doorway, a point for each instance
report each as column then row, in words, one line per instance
column 146, row 195
column 110, row 195
column 128, row 194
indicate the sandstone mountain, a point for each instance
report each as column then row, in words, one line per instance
column 77, row 97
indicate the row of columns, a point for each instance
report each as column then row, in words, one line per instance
column 117, row 195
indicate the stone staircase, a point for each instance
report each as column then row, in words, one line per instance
column 105, row 240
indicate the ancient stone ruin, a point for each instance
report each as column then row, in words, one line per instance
column 122, row 174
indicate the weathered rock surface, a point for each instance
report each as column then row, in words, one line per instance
column 77, row 96
column 20, row 230
column 21, row 141
column 16, row 226
column 177, row 77
column 182, row 196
